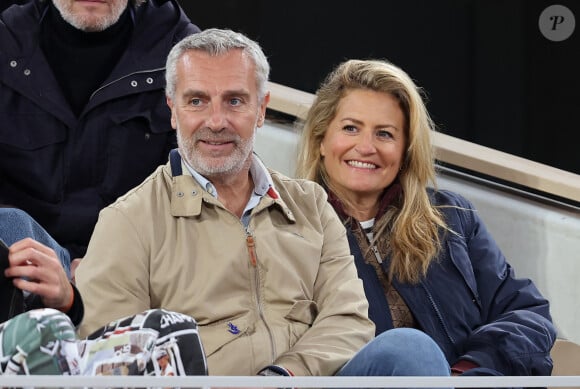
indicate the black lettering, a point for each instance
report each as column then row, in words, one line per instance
column 557, row 19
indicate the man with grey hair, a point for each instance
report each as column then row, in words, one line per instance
column 260, row 260
column 83, row 116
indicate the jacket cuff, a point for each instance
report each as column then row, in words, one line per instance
column 462, row 366
column 77, row 310
column 275, row 370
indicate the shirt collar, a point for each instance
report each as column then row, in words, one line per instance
column 262, row 179
column 260, row 175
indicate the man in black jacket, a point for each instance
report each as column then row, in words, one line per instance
column 83, row 116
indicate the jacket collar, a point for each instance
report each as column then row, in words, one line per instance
column 158, row 25
column 188, row 194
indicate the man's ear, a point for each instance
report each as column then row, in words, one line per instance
column 173, row 119
column 262, row 111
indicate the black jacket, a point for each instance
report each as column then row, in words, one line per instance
column 75, row 313
column 60, row 168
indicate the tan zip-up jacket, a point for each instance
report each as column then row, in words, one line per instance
column 285, row 291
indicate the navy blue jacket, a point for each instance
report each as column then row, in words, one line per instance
column 63, row 169
column 470, row 301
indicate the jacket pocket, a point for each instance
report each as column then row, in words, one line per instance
column 137, row 143
column 30, row 132
column 303, row 311
column 460, row 259
column 215, row 337
column 300, row 319
column 32, row 150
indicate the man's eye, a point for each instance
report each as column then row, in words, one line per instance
column 195, row 102
column 235, row 101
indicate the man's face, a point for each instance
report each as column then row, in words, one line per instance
column 91, row 15
column 216, row 111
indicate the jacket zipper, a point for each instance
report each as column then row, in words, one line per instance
column 251, row 248
column 438, row 314
column 251, row 244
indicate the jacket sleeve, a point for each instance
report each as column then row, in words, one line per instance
column 75, row 313
column 113, row 277
column 518, row 333
column 341, row 326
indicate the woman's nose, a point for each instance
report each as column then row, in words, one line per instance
column 365, row 145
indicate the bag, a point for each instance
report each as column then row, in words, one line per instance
column 40, row 341
column 156, row 342
column 152, row 343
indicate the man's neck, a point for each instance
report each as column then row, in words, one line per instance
column 81, row 61
column 234, row 191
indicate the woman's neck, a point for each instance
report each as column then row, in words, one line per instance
column 361, row 208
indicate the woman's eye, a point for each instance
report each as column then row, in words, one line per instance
column 349, row 129
column 383, row 134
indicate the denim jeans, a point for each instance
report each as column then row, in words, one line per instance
column 398, row 352
column 16, row 225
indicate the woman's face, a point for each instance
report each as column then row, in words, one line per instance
column 364, row 144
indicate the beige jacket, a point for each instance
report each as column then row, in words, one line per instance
column 294, row 299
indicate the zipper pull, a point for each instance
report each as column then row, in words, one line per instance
column 251, row 248
column 377, row 255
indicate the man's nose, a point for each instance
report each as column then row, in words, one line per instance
column 216, row 119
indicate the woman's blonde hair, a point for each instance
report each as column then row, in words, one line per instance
column 414, row 233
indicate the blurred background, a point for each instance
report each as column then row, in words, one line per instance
column 491, row 76
column 500, row 73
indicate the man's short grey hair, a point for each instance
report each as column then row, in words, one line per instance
column 216, row 42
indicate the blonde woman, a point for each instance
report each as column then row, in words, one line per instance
column 427, row 262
